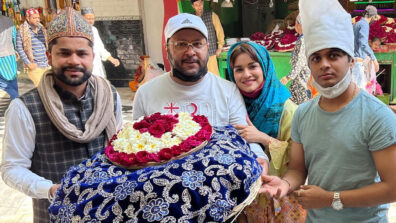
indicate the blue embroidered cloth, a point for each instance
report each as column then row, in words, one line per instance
column 205, row 186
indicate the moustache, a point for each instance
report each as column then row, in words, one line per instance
column 81, row 69
column 190, row 61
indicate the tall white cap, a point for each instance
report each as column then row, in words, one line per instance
column 184, row 21
column 326, row 25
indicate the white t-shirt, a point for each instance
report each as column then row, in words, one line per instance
column 338, row 149
column 101, row 54
column 218, row 99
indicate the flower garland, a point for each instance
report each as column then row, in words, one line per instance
column 157, row 138
column 287, row 43
column 269, row 40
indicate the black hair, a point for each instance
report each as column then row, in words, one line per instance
column 243, row 48
column 55, row 41
column 376, row 39
column 342, row 52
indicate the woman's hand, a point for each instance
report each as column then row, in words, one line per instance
column 251, row 134
column 264, row 164
column 313, row 197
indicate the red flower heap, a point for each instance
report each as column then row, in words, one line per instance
column 268, row 41
column 377, row 30
column 157, row 125
column 287, row 43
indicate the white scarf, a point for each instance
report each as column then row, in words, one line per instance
column 102, row 117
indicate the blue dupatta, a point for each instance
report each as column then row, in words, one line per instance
column 264, row 111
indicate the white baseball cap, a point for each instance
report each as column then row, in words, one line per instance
column 184, row 21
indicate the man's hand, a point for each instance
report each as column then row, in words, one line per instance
column 32, row 66
column 284, row 80
column 376, row 65
column 251, row 134
column 274, row 186
column 313, row 197
column 114, row 61
column 218, row 51
column 53, row 189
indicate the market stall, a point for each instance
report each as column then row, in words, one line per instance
column 282, row 66
column 281, row 38
column 16, row 9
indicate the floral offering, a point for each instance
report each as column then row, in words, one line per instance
column 157, row 139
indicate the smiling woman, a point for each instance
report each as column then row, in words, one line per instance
column 247, row 71
column 251, row 68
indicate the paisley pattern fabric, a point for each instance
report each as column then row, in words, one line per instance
column 205, row 186
column 299, row 74
column 285, row 210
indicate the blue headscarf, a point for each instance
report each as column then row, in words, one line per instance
column 264, row 111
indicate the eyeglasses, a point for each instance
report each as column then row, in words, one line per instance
column 184, row 45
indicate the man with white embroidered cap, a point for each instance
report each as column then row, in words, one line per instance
column 100, row 52
column 344, row 141
column 188, row 87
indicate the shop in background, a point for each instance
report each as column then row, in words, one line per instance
column 48, row 9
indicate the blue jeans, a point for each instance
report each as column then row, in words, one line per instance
column 11, row 87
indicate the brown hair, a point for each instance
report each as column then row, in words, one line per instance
column 243, row 48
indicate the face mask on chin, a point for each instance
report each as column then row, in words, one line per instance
column 336, row 90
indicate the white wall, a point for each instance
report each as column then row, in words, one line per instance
column 102, row 8
column 113, row 8
column 31, row 3
column 152, row 12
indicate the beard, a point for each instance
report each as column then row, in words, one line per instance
column 60, row 75
column 185, row 76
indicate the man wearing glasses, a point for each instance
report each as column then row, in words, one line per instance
column 189, row 87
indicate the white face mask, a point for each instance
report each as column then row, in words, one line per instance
column 336, row 90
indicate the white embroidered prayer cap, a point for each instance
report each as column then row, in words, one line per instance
column 326, row 24
column 185, row 21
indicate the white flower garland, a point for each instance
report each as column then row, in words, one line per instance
column 130, row 140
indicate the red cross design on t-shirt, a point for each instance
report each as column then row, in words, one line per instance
column 171, row 107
